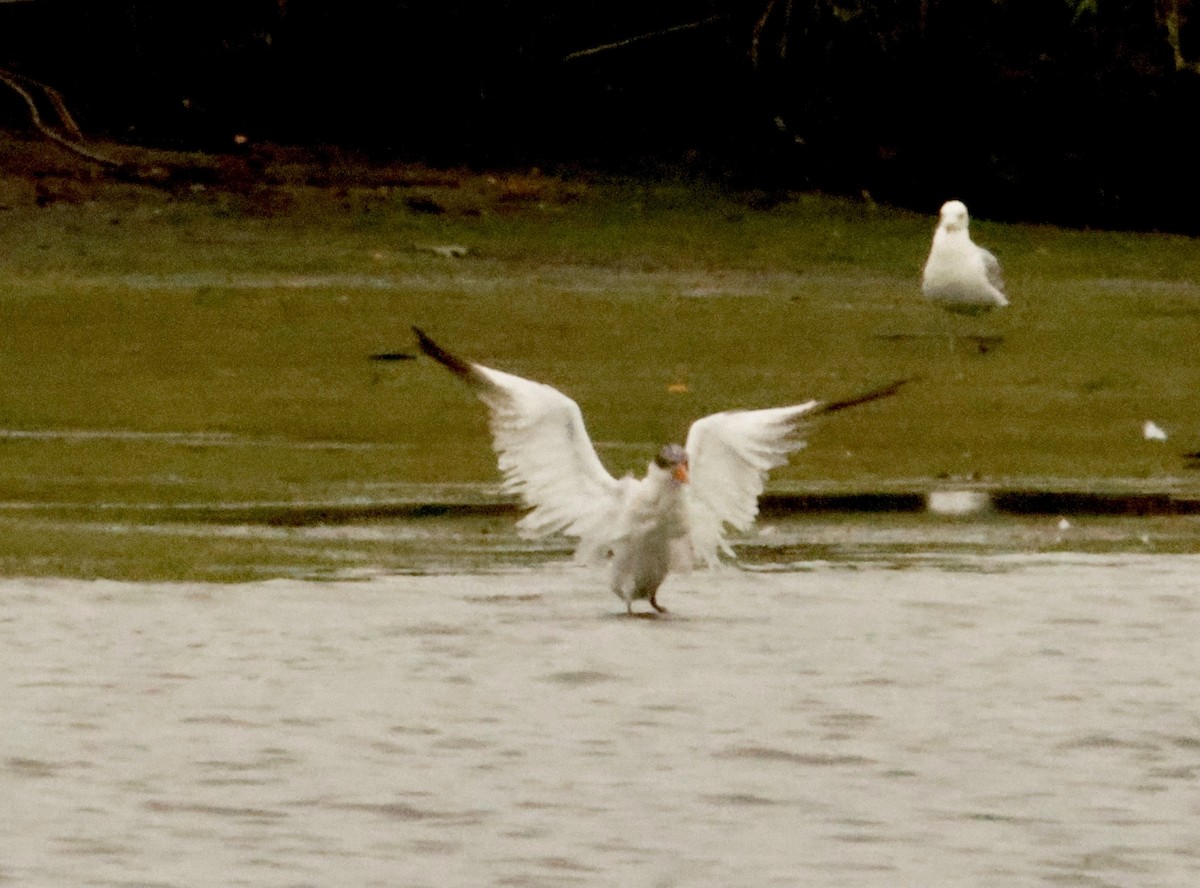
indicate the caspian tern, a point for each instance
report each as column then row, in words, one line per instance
column 960, row 275
column 673, row 518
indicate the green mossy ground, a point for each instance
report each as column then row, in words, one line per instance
column 227, row 334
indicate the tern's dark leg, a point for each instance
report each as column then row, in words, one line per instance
column 654, row 603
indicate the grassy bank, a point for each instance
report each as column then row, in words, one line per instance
column 214, row 347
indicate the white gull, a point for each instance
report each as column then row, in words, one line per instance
column 960, row 275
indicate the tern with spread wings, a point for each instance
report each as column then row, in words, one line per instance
column 675, row 517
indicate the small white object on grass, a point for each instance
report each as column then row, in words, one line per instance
column 959, row 275
column 446, row 251
column 1152, row 431
column 1064, row 524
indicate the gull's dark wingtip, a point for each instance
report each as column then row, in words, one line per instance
column 452, row 362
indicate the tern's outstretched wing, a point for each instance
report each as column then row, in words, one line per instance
column 730, row 455
column 544, row 452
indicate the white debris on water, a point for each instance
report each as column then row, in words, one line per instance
column 957, row 502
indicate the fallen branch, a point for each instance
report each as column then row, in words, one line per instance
column 578, row 54
column 18, row 83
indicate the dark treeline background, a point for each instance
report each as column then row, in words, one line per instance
column 1080, row 112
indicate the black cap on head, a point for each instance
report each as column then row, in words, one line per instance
column 671, row 455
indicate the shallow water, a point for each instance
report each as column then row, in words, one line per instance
column 981, row 720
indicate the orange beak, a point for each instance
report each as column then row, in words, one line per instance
column 680, row 473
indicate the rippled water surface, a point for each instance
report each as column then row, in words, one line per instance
column 973, row 720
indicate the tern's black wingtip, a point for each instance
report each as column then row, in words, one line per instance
column 439, row 354
column 422, row 338
column 883, row 391
column 892, row 387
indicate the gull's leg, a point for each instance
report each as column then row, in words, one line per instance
column 654, row 603
column 948, row 323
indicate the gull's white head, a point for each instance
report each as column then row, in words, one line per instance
column 674, row 459
column 953, row 216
